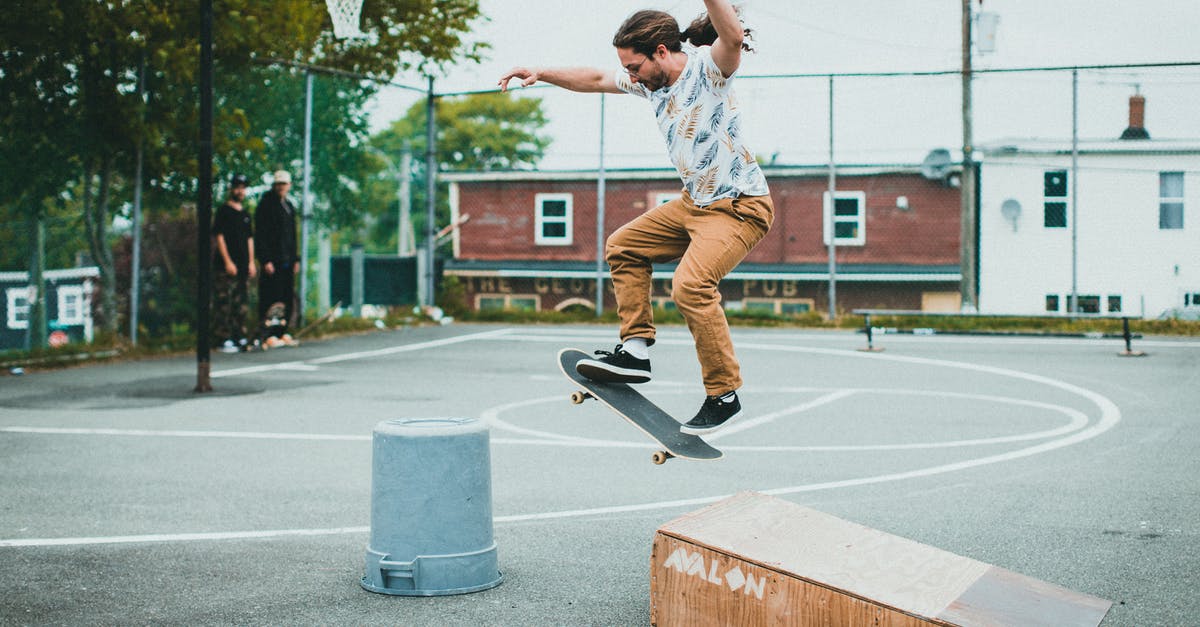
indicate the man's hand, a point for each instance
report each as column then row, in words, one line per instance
column 269, row 268
column 230, row 268
column 581, row 79
column 727, row 49
column 253, row 270
column 527, row 76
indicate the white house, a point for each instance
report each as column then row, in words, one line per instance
column 1134, row 234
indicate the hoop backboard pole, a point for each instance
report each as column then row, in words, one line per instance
column 204, row 200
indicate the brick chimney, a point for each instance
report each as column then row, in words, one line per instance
column 1137, row 119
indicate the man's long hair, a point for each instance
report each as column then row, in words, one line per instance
column 646, row 30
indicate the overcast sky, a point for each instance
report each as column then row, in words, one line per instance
column 888, row 120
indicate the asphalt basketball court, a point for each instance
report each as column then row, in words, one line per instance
column 128, row 500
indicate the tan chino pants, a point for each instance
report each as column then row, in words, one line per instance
column 708, row 242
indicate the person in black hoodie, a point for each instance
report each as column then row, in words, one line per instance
column 276, row 250
column 233, row 267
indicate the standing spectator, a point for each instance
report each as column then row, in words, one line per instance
column 275, row 225
column 233, row 267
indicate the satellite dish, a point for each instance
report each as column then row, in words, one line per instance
column 1011, row 210
column 936, row 165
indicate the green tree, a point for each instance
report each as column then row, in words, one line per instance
column 477, row 132
column 72, row 117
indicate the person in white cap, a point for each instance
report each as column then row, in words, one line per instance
column 276, row 250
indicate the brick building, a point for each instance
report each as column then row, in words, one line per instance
column 529, row 239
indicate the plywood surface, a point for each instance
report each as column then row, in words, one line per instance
column 832, row 552
column 696, row 586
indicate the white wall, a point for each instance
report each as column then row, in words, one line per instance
column 1121, row 250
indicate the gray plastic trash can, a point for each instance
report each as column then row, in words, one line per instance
column 431, row 509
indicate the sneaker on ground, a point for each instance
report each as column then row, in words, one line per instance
column 715, row 413
column 229, row 347
column 617, row 366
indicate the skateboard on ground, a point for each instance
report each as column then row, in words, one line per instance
column 325, row 317
column 638, row 410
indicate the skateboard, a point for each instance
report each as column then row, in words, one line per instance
column 325, row 317
column 638, row 410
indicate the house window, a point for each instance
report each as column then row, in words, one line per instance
column 1052, row 303
column 70, row 304
column 1191, row 299
column 1170, row 200
column 663, row 198
column 18, row 307
column 1055, row 204
column 1114, row 303
column 1088, row 304
column 518, row 302
column 847, row 219
column 555, row 218
column 779, row 306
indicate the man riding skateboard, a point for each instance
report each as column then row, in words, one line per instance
column 723, row 212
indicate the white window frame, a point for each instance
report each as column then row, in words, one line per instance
column 65, row 293
column 860, row 219
column 1163, row 200
column 12, row 295
column 540, row 220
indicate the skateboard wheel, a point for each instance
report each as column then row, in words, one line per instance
column 660, row 457
column 579, row 397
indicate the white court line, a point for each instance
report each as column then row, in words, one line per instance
column 392, row 350
column 854, row 337
column 147, row 433
column 180, row 537
column 236, row 435
column 1110, row 415
column 743, row 425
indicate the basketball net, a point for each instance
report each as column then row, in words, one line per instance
column 345, row 15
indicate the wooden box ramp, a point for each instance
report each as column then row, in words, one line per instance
column 753, row 559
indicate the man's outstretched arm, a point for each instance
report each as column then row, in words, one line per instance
column 727, row 49
column 580, row 79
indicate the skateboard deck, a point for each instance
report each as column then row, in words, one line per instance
column 638, row 410
column 325, row 317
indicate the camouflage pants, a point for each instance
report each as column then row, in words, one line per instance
column 230, row 308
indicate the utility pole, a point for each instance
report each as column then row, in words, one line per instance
column 404, row 238
column 430, row 196
column 967, row 260
column 600, row 182
column 1073, row 303
column 306, row 202
column 831, row 214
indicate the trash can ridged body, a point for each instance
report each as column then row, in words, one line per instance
column 431, row 509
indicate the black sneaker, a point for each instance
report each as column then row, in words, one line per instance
column 615, row 367
column 716, row 412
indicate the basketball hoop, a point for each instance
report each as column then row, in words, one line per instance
column 345, row 15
